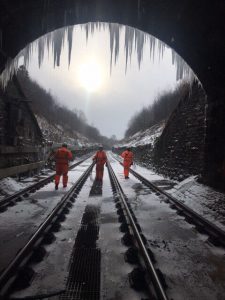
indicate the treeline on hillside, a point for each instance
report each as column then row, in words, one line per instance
column 161, row 108
column 43, row 104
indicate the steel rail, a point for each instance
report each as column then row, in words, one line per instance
column 148, row 263
column 203, row 224
column 7, row 277
column 16, row 196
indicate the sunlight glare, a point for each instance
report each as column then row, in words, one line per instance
column 90, row 76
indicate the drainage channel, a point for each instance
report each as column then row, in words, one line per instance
column 135, row 237
column 84, row 271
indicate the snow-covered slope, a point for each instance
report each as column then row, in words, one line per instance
column 57, row 134
column 141, row 138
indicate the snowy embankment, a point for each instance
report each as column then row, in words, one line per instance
column 55, row 134
column 202, row 199
column 10, row 186
column 58, row 134
column 142, row 138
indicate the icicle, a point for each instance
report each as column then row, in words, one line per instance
column 41, row 47
column 58, row 41
column 134, row 40
column 87, row 31
column 70, row 42
column 117, row 41
column 111, row 38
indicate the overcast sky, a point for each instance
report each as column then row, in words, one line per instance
column 113, row 100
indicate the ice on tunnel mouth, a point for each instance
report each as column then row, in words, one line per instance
column 135, row 40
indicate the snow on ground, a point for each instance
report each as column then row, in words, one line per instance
column 10, row 186
column 202, row 199
column 192, row 267
column 146, row 137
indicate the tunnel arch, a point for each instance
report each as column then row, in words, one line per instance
column 177, row 23
column 134, row 40
column 194, row 30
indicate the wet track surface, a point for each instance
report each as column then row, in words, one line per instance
column 20, row 221
column 193, row 268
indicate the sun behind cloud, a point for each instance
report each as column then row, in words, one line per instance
column 90, row 76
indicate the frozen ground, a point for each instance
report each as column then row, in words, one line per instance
column 9, row 185
column 20, row 221
column 201, row 198
column 50, row 277
column 146, row 137
column 192, row 267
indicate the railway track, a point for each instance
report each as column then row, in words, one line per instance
column 217, row 235
column 17, row 268
column 135, row 237
column 84, row 271
column 18, row 196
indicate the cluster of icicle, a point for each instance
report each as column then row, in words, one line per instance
column 135, row 40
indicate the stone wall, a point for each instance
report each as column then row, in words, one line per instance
column 142, row 154
column 179, row 152
column 2, row 119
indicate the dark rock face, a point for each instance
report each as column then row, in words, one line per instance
column 180, row 150
column 214, row 166
column 195, row 29
column 20, row 136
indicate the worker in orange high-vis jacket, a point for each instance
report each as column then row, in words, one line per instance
column 128, row 157
column 100, row 159
column 62, row 157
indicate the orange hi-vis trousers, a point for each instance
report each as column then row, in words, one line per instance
column 100, row 158
column 126, row 169
column 61, row 170
column 127, row 161
column 99, row 171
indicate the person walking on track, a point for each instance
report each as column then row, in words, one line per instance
column 100, row 158
column 62, row 157
column 128, row 157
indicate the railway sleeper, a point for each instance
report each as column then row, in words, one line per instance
column 137, row 279
column 24, row 278
column 131, row 255
column 56, row 226
column 3, row 208
column 124, row 227
column 127, row 239
column 49, row 238
column 214, row 240
column 38, row 254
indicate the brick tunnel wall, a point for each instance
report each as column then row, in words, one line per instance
column 179, row 152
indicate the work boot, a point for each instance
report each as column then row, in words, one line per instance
column 56, row 187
